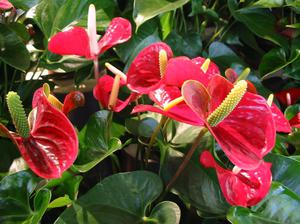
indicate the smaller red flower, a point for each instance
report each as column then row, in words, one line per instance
column 289, row 96
column 5, row 5
column 78, row 41
column 295, row 121
column 241, row 187
column 102, row 92
column 144, row 73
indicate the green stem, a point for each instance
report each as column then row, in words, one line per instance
column 153, row 137
column 5, row 79
column 186, row 159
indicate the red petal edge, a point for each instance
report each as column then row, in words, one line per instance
column 143, row 74
column 118, row 31
column 245, row 188
column 53, row 145
column 74, row 41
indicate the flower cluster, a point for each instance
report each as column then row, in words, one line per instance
column 193, row 91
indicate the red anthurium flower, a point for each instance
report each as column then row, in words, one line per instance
column 180, row 69
column 241, row 122
column 144, row 73
column 295, row 121
column 78, row 41
column 281, row 123
column 176, row 72
column 5, row 5
column 102, row 92
column 241, row 187
column 51, row 146
column 289, row 96
column 162, row 97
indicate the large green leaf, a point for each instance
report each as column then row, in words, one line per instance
column 24, row 4
column 259, row 21
column 189, row 44
column 12, row 49
column 41, row 201
column 124, row 51
column 223, row 55
column 271, row 61
column 144, row 10
column 196, row 185
column 269, row 3
column 121, row 198
column 15, row 191
column 280, row 206
column 286, row 171
column 95, row 141
column 54, row 15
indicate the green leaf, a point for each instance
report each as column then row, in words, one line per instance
column 24, row 4
column 166, row 212
column 269, row 3
column 15, row 191
column 281, row 205
column 196, row 185
column 124, row 51
column 121, row 198
column 144, row 10
column 223, row 55
column 144, row 43
column 259, row 21
column 12, row 49
column 292, row 111
column 54, row 15
column 272, row 60
column 41, row 201
column 189, row 44
column 285, row 170
column 147, row 126
column 60, row 202
column 95, row 142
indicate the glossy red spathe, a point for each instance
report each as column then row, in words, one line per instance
column 241, row 187
column 143, row 74
column 247, row 134
column 103, row 90
column 52, row 145
column 76, row 41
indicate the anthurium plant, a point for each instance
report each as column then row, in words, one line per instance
column 149, row 111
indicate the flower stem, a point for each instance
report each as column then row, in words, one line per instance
column 153, row 137
column 186, row 159
column 96, row 69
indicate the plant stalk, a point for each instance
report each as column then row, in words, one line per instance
column 186, row 159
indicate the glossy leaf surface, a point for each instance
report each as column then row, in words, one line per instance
column 127, row 204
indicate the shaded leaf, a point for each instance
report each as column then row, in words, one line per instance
column 12, row 49
column 107, row 202
column 144, row 10
column 280, row 206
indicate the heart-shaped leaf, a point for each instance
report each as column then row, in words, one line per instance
column 280, row 206
column 122, row 198
column 144, row 10
column 15, row 191
column 12, row 50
